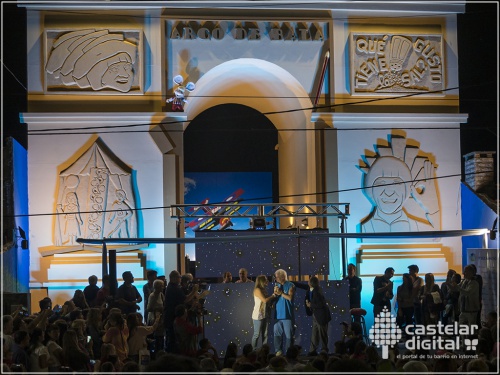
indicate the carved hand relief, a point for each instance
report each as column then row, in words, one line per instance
column 402, row 187
column 93, row 60
column 95, row 198
column 385, row 63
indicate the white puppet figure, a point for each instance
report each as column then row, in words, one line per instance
column 178, row 100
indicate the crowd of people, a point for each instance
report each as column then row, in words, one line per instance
column 97, row 332
column 421, row 301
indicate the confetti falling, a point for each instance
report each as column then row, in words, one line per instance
column 230, row 314
column 261, row 256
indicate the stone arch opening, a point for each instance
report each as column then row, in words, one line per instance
column 232, row 138
column 279, row 96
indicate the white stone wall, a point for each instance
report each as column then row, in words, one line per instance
column 439, row 145
column 48, row 154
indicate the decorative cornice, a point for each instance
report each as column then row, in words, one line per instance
column 99, row 119
column 340, row 7
column 374, row 120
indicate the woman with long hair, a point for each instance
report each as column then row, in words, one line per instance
column 74, row 356
column 138, row 333
column 80, row 327
column 404, row 297
column 52, row 334
column 117, row 334
column 448, row 298
column 95, row 330
column 431, row 300
column 260, row 313
column 79, row 300
column 39, row 354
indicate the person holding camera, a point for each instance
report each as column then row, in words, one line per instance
column 174, row 296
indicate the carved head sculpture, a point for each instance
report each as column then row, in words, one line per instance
column 120, row 195
column 402, row 188
column 388, row 183
column 93, row 59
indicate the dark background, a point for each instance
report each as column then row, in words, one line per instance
column 478, row 74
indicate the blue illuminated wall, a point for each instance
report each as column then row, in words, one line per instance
column 15, row 271
column 475, row 214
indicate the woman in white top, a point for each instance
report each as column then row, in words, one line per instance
column 260, row 312
column 39, row 354
column 138, row 334
column 55, row 350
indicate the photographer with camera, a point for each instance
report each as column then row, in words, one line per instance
column 175, row 296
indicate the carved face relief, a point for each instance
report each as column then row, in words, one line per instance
column 93, row 59
column 389, row 194
column 119, row 76
column 402, row 188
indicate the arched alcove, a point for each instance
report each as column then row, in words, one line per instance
column 232, row 138
column 272, row 91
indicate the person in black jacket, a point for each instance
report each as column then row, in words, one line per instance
column 317, row 307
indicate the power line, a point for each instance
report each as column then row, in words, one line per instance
column 257, row 199
column 257, row 115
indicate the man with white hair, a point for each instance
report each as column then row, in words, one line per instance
column 284, row 290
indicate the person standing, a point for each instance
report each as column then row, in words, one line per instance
column 418, row 282
column 315, row 300
column 127, row 295
column 91, row 290
column 117, row 334
column 174, row 296
column 147, row 289
column 186, row 333
column 284, row 290
column 431, row 300
column 447, row 315
column 155, row 309
column 404, row 296
column 38, row 352
column 382, row 291
column 104, row 292
column 260, row 313
column 479, row 280
column 469, row 297
column 355, row 286
column 243, row 276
